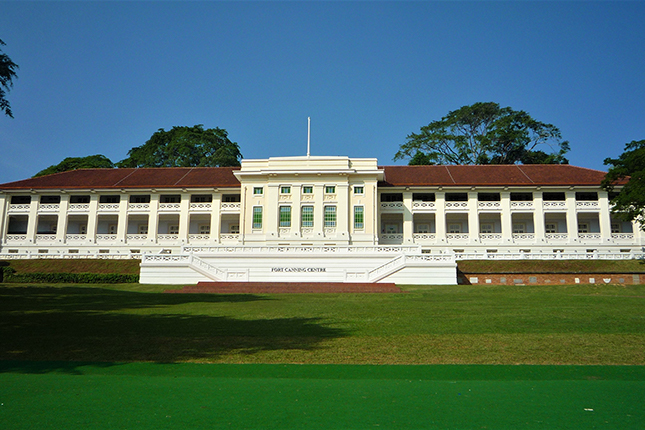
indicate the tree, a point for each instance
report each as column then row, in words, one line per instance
column 185, row 147
column 7, row 73
column 485, row 133
column 73, row 163
column 629, row 202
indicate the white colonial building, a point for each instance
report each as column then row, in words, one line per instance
column 330, row 218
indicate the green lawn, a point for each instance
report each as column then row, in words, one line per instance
column 128, row 357
column 581, row 324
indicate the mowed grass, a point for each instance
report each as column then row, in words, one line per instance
column 570, row 324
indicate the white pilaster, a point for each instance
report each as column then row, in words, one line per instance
column 184, row 217
column 572, row 216
column 61, row 224
column 408, row 222
column 506, row 217
column 440, row 217
column 605, row 216
column 216, row 217
column 153, row 218
column 538, row 217
column 473, row 217
column 92, row 218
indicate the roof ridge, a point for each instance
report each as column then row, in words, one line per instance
column 186, row 174
column 449, row 174
column 524, row 173
column 125, row 177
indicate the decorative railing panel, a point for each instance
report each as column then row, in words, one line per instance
column 168, row 237
column 522, row 205
column 198, row 237
column 623, row 236
column 45, row 237
column 554, row 205
column 109, row 207
column 587, row 205
column 76, row 237
column 16, row 237
column 201, row 206
column 230, row 207
column 523, row 236
column 105, row 237
column 169, row 207
column 139, row 206
column 229, row 236
column 456, row 205
column 424, row 205
column 49, row 207
column 391, row 206
column 136, row 237
column 79, row 207
column 457, row 236
column 589, row 236
column 490, row 236
column 557, row 236
column 20, row 207
column 424, row 237
column 489, row 205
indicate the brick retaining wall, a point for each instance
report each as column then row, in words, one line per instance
column 549, row 278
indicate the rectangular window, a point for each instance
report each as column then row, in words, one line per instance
column 359, row 190
column 519, row 227
column 330, row 189
column 201, row 198
column 359, row 218
column 110, row 199
column 615, row 227
column 143, row 229
column 112, row 229
column 234, row 229
column 258, row 191
column 231, row 198
column 82, row 229
column 486, row 228
column 583, row 227
column 330, row 216
column 79, row 199
column 307, row 216
column 50, row 199
column 285, row 216
column 307, row 189
column 285, row 190
column 20, row 200
column 257, row 216
column 140, row 199
column 550, row 227
column 173, row 229
column 204, row 229
column 174, row 198
column 454, row 228
column 422, row 228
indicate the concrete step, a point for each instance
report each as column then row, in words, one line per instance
column 286, row 287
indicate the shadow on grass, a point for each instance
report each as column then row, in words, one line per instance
column 91, row 325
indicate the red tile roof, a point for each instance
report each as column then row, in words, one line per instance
column 207, row 177
column 492, row 175
column 162, row 177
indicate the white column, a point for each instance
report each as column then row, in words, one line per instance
column 4, row 206
column 343, row 211
column 61, row 225
column 506, row 216
column 295, row 210
column 605, row 217
column 538, row 217
column 440, row 217
column 153, row 218
column 572, row 216
column 270, row 217
column 92, row 218
column 473, row 217
column 319, row 214
column 216, row 217
column 408, row 221
column 184, row 217
column 122, row 222
column 32, row 223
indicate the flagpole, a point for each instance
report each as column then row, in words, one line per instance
column 308, row 135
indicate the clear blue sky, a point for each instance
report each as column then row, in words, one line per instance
column 101, row 77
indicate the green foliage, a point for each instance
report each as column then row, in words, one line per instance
column 485, row 133
column 185, row 147
column 72, row 163
column 420, row 159
column 629, row 203
column 7, row 73
column 11, row 276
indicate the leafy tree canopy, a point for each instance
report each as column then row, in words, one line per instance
column 7, row 73
column 629, row 203
column 73, row 163
column 485, row 133
column 185, row 147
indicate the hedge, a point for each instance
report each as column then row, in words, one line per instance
column 10, row 275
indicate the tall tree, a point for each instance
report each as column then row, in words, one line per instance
column 629, row 202
column 7, row 73
column 185, row 147
column 73, row 163
column 485, row 133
